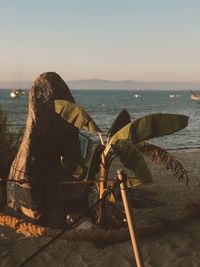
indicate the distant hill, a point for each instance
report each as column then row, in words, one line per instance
column 130, row 85
column 116, row 85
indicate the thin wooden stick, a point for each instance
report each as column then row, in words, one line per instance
column 130, row 220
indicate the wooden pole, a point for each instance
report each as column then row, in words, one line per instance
column 130, row 219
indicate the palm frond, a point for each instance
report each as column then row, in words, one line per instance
column 161, row 156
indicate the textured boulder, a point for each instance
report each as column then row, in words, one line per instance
column 47, row 137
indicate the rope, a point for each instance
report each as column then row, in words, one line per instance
column 22, row 181
column 190, row 213
column 108, row 236
column 68, row 226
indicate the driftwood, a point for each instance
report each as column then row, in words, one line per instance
column 47, row 137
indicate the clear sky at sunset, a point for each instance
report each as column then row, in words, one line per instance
column 157, row 40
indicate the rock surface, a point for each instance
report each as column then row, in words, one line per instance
column 47, row 137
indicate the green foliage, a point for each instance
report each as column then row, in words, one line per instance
column 76, row 169
column 124, row 134
column 125, row 138
column 133, row 160
column 122, row 119
column 74, row 114
column 151, row 126
column 95, row 161
column 8, row 146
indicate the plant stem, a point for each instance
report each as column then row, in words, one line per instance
column 101, row 138
column 102, row 171
column 101, row 208
column 103, row 176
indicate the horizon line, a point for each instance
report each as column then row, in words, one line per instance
column 106, row 80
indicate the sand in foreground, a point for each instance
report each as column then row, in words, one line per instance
column 171, row 249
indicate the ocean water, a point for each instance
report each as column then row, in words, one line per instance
column 104, row 106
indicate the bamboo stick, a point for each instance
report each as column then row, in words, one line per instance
column 130, row 219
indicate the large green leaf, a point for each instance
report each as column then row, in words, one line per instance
column 122, row 134
column 151, row 126
column 122, row 119
column 75, row 169
column 132, row 159
column 76, row 115
column 156, row 125
column 130, row 182
column 95, row 161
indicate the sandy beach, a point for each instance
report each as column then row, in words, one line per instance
column 178, row 247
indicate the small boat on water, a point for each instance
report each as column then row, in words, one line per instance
column 16, row 93
column 173, row 95
column 195, row 95
column 137, row 95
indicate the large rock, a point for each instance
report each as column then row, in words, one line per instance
column 47, row 137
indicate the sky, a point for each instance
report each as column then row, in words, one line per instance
column 142, row 40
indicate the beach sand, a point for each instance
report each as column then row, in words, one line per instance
column 178, row 247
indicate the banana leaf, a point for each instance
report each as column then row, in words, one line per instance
column 109, row 158
column 122, row 134
column 133, row 160
column 95, row 161
column 76, row 115
column 130, row 182
column 122, row 119
column 75, row 169
column 157, row 125
column 160, row 156
column 151, row 126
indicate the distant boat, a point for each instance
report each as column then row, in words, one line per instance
column 17, row 93
column 173, row 95
column 195, row 95
column 136, row 95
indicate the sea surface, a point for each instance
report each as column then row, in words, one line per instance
column 104, row 105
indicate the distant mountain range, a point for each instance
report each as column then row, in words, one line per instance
column 130, row 85
column 115, row 85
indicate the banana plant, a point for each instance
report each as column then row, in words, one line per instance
column 126, row 140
